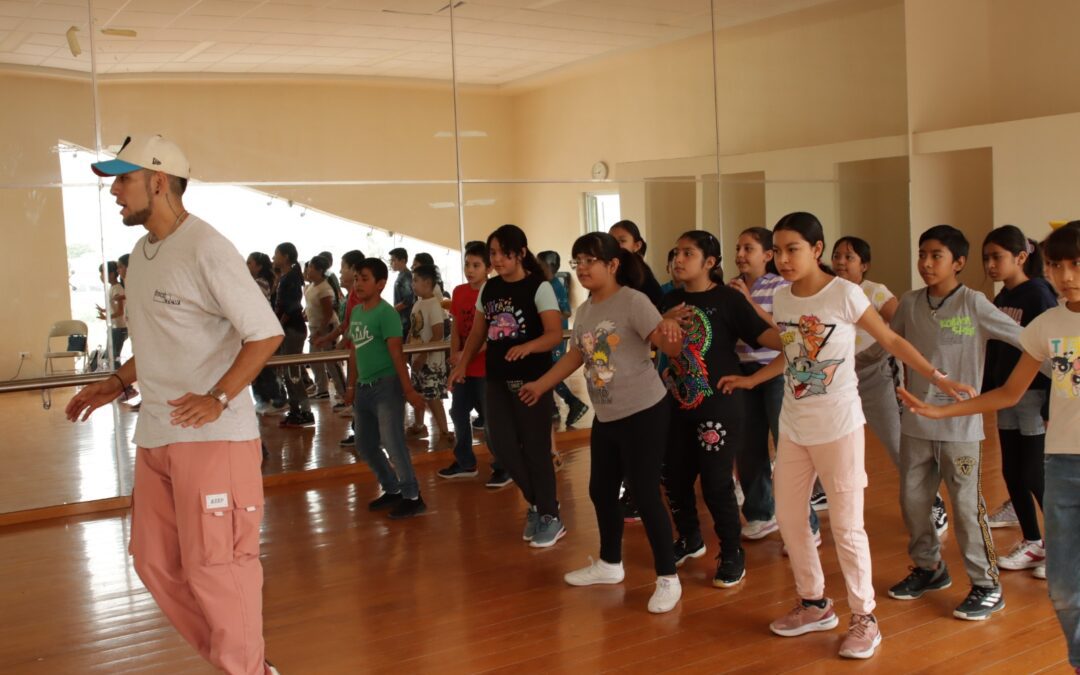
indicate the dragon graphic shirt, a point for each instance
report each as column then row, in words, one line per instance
column 720, row 317
column 613, row 338
column 1054, row 336
column 821, row 395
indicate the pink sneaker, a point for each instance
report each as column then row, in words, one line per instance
column 863, row 637
column 805, row 619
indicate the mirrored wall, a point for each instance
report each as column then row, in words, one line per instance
column 370, row 124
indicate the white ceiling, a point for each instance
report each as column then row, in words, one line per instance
column 495, row 41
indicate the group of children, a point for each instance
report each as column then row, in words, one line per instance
column 789, row 348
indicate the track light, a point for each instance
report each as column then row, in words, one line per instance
column 73, row 41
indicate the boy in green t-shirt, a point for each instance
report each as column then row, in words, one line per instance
column 379, row 385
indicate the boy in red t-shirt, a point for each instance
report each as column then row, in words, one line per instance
column 469, row 395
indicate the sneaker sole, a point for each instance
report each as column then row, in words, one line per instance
column 981, row 616
column 404, row 516
column 816, row 627
column 1035, row 573
column 848, row 654
column 721, row 583
column 921, row 593
column 560, row 535
column 694, row 554
column 632, row 519
column 1005, row 565
column 664, row 610
column 496, row 486
column 595, row 582
column 760, row 535
column 994, row 526
column 455, row 476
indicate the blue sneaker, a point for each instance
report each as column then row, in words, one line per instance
column 548, row 531
column 532, row 520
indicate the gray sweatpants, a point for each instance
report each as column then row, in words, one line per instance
column 923, row 465
column 877, row 389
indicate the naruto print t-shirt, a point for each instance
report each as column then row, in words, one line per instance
column 821, row 391
column 512, row 311
column 720, row 317
column 613, row 337
column 1054, row 336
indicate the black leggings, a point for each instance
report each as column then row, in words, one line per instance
column 520, row 437
column 1022, row 468
column 705, row 447
column 632, row 447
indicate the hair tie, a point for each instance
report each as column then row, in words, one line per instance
column 1029, row 246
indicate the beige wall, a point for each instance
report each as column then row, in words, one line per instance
column 873, row 202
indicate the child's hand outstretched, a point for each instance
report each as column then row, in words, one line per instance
column 670, row 330
column 919, row 407
column 519, row 352
column 957, row 390
column 530, row 393
column 730, row 383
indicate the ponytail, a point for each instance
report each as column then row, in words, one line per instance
column 512, row 240
column 709, row 246
column 631, row 228
column 631, row 272
column 1012, row 239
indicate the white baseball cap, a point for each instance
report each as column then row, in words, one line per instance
column 155, row 153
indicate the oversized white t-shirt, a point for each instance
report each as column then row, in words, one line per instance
column 316, row 318
column 1054, row 336
column 821, row 391
column 426, row 313
column 190, row 309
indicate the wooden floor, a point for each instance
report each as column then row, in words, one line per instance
column 457, row 591
column 50, row 461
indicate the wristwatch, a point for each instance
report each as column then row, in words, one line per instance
column 221, row 397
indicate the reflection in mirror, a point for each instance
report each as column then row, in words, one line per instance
column 283, row 91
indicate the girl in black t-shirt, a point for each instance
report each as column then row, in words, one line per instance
column 1014, row 260
column 707, row 428
column 518, row 316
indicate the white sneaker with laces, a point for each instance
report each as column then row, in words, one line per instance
column 666, row 596
column 759, row 529
column 598, row 572
column 1025, row 555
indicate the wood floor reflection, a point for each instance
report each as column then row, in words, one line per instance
column 457, row 591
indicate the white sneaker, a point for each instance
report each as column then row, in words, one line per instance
column 1039, row 572
column 598, row 572
column 666, row 596
column 1004, row 517
column 817, row 542
column 759, row 529
column 1025, row 555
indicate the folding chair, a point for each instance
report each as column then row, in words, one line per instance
column 66, row 330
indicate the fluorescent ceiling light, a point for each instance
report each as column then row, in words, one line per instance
column 119, row 32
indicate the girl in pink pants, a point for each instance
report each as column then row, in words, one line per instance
column 821, row 428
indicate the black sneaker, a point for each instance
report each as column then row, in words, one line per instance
column 730, row 571
column 386, row 500
column 941, row 518
column 686, row 549
column 321, row 395
column 819, row 501
column 297, row 420
column 980, row 603
column 576, row 412
column 455, row 470
column 921, row 581
column 348, row 442
column 407, row 508
column 500, row 478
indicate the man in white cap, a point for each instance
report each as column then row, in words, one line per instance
column 200, row 332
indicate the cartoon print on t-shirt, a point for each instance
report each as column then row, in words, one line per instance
column 806, row 374
column 1065, row 366
column 505, row 322
column 687, row 377
column 596, row 350
column 416, row 326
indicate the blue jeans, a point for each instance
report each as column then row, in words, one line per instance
column 468, row 396
column 1061, row 510
column 379, row 414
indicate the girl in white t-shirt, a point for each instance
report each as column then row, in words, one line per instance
column 322, row 320
column 1053, row 336
column 821, row 427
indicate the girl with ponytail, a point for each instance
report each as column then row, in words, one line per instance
column 614, row 333
column 288, row 305
column 707, row 429
column 1012, row 259
column 518, row 316
column 628, row 236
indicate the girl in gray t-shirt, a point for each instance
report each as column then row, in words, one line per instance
column 614, row 335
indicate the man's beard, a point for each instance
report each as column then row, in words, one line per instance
column 139, row 217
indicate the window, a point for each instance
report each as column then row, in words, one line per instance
column 601, row 211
